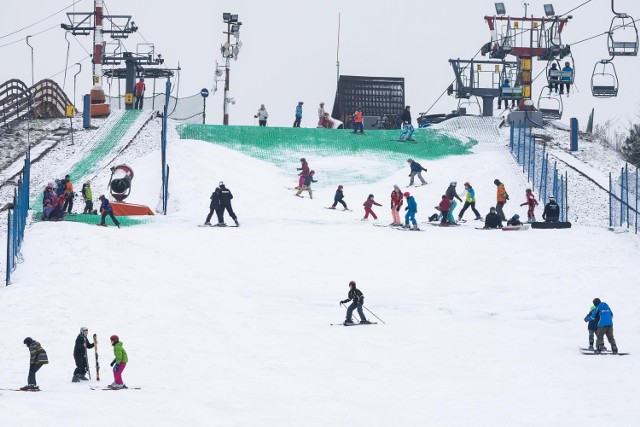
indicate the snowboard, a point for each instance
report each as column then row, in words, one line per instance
column 550, row 225
column 216, row 226
column 522, row 227
column 590, row 349
column 483, row 228
column 606, row 353
column 407, row 229
column 437, row 224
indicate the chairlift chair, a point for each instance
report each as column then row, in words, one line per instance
column 550, row 105
column 623, row 46
column 464, row 103
column 604, row 80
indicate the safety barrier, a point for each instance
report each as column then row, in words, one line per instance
column 623, row 199
column 188, row 109
column 42, row 100
column 17, row 218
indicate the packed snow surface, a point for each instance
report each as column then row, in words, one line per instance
column 230, row 326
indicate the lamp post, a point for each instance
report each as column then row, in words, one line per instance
column 74, row 82
column 32, row 74
column 229, row 51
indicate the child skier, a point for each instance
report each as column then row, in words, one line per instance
column 119, row 363
column 604, row 316
column 531, row 203
column 501, row 198
column 412, row 210
column 367, row 207
column 357, row 298
column 396, row 204
column 339, row 198
column 87, row 196
column 38, row 357
column 592, row 326
column 306, row 184
column 444, row 208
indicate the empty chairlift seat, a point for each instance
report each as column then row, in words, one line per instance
column 604, row 81
column 623, row 36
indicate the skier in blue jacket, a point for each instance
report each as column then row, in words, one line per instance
column 106, row 209
column 296, row 122
column 412, row 209
column 604, row 316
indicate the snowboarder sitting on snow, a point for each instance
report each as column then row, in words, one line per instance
column 416, row 169
column 443, row 207
column 119, row 363
column 106, row 209
column 367, row 207
column 412, row 210
column 306, row 184
column 80, row 355
column 492, row 219
column 592, row 326
column 551, row 211
column 339, row 198
column 38, row 357
column 357, row 297
column 514, row 220
column 604, row 316
column 531, row 204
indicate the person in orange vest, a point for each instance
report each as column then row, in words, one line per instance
column 358, row 121
column 138, row 91
column 502, row 197
column 68, row 194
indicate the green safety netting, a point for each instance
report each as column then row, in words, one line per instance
column 330, row 152
column 125, row 221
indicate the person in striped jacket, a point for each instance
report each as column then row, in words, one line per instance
column 38, row 357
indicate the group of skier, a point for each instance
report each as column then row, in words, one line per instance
column 221, row 201
column 38, row 357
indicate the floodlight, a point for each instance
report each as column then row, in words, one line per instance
column 548, row 10
column 500, row 10
column 234, row 18
column 235, row 28
column 226, row 17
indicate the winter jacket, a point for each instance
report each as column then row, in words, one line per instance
column 339, row 196
column 262, row 114
column 396, row 200
column 501, row 194
column 358, row 117
column 551, row 211
column 412, row 206
column 513, row 221
column 370, row 202
column 215, row 199
column 38, row 355
column 321, row 112
column 68, row 188
column 605, row 313
column 406, row 116
column 118, row 351
column 82, row 344
column 225, row 196
column 46, row 211
column 60, row 186
column 87, row 194
column 354, row 295
column 592, row 324
column 492, row 220
column 471, row 195
column 48, row 195
column 308, row 180
column 304, row 169
column 417, row 167
column 451, row 193
column 105, row 206
column 299, row 111
column 531, row 201
column 567, row 69
column 139, row 89
column 445, row 205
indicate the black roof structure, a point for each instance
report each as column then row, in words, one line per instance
column 378, row 96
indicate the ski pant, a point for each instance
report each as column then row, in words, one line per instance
column 262, row 123
column 407, row 131
column 530, row 213
column 445, row 217
column 499, row 206
column 305, row 188
column 31, row 380
column 466, row 206
column 355, row 305
column 117, row 375
column 88, row 206
column 218, row 213
column 359, row 126
column 300, row 182
column 81, row 365
column 410, row 216
column 450, row 217
column 367, row 212
column 229, row 209
column 608, row 331
column 396, row 216
column 335, row 203
column 139, row 102
column 296, row 122
column 104, row 217
column 592, row 333
column 419, row 174
column 68, row 204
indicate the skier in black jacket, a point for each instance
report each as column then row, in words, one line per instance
column 551, row 211
column 339, row 198
column 80, row 355
column 357, row 297
column 225, row 203
column 214, row 206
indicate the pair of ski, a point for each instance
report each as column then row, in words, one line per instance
column 342, row 210
column 18, row 389
column 352, row 324
column 589, row 352
column 110, row 388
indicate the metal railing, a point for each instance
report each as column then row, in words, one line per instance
column 17, row 218
column 42, row 100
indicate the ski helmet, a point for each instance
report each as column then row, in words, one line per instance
column 516, row 216
column 528, row 190
column 395, row 187
column 409, row 160
column 340, row 187
column 453, row 184
column 406, row 194
column 352, row 283
column 101, row 197
column 221, row 184
column 84, row 328
column 114, row 339
column 303, row 159
column 552, row 198
column 596, row 302
column 28, row 340
column 370, row 196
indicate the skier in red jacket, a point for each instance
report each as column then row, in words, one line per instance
column 531, row 203
column 367, row 207
column 443, row 207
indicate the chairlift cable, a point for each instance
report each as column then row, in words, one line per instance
column 38, row 22
column 576, row 8
column 32, row 35
column 62, row 71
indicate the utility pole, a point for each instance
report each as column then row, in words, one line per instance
column 229, row 51
column 32, row 74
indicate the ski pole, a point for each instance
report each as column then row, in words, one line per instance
column 374, row 315
column 353, row 314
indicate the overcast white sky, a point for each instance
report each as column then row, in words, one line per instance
column 289, row 51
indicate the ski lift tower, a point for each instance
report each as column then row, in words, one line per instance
column 526, row 38
column 118, row 27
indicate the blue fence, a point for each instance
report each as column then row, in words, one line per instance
column 623, row 199
column 18, row 218
column 544, row 177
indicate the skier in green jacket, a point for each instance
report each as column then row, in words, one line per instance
column 119, row 363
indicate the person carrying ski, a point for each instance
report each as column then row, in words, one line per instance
column 38, row 357
column 502, row 197
column 138, row 91
column 592, row 326
column 531, row 204
column 412, row 210
column 367, row 207
column 296, row 122
column 306, row 185
column 119, row 363
column 358, row 121
column 492, row 219
column 396, row 203
column 416, row 169
column 444, row 208
column 407, row 130
column 551, row 211
column 80, row 356
column 470, row 201
column 225, row 203
column 262, row 116
column 357, row 298
column 304, row 172
column 214, row 207
column 604, row 316
column 339, row 198
column 514, row 220
column 452, row 194
column 106, row 209
column 87, row 195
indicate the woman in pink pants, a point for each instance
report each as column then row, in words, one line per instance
column 396, row 204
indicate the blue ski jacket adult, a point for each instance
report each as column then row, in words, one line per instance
column 105, row 205
column 417, row 167
column 412, row 206
column 299, row 111
column 605, row 313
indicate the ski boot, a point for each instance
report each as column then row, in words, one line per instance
column 365, row 322
column 30, row 387
column 406, row 226
column 415, row 227
column 237, row 223
column 83, row 378
column 221, row 224
column 116, row 386
column 614, row 350
column 207, row 223
column 348, row 322
column 478, row 218
column 75, row 379
column 591, row 347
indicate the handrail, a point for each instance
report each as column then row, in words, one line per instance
column 44, row 99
